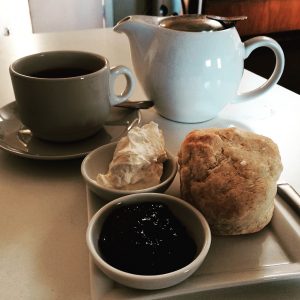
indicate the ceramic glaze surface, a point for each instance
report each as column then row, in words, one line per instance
column 191, row 76
column 66, row 108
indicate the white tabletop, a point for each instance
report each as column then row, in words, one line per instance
column 43, row 203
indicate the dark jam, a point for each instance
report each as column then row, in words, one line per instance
column 145, row 239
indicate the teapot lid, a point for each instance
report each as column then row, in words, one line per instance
column 198, row 23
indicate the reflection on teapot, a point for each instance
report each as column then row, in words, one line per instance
column 191, row 65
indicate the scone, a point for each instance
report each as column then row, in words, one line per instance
column 230, row 176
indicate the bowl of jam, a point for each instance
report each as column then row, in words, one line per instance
column 148, row 240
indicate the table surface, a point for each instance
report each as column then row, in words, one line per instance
column 43, row 203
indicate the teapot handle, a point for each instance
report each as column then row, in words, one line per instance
column 252, row 44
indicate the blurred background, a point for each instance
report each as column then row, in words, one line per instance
column 278, row 19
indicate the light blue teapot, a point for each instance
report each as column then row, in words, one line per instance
column 191, row 65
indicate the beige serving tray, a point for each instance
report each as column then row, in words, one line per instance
column 271, row 254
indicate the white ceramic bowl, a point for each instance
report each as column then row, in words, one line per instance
column 191, row 218
column 98, row 162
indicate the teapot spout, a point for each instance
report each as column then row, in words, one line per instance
column 139, row 30
column 136, row 22
column 123, row 25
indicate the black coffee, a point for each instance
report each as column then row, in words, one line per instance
column 61, row 73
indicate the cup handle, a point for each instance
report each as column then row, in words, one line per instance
column 252, row 44
column 130, row 84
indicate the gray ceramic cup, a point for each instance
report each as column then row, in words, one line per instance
column 65, row 96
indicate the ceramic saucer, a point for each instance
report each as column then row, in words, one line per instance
column 17, row 139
